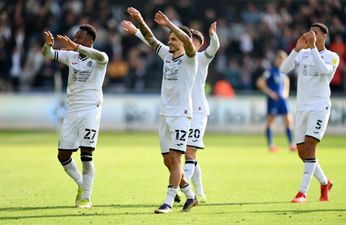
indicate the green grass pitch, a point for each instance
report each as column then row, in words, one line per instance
column 244, row 183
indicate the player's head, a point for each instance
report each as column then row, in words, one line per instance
column 174, row 43
column 197, row 38
column 280, row 57
column 321, row 32
column 86, row 35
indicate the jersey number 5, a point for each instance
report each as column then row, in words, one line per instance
column 318, row 124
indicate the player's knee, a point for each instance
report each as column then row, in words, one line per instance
column 64, row 156
column 86, row 156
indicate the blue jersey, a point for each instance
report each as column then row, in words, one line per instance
column 276, row 82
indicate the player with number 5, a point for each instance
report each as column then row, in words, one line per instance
column 315, row 66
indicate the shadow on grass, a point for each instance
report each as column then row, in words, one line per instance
column 80, row 214
column 300, row 211
column 73, row 207
column 240, row 203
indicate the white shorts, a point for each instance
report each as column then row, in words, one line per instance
column 311, row 123
column 80, row 129
column 173, row 133
column 197, row 130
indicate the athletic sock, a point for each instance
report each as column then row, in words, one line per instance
column 186, row 189
column 171, row 193
column 269, row 136
column 309, row 169
column 72, row 170
column 289, row 135
column 319, row 174
column 197, row 180
column 88, row 175
column 189, row 169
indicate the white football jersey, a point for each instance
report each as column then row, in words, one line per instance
column 85, row 79
column 315, row 71
column 177, row 81
column 199, row 100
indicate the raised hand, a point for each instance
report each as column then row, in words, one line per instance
column 311, row 39
column 301, row 43
column 135, row 14
column 48, row 36
column 128, row 27
column 161, row 19
column 68, row 44
column 212, row 28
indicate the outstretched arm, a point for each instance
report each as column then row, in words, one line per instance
column 214, row 42
column 163, row 20
column 69, row 45
column 47, row 49
column 143, row 27
column 131, row 29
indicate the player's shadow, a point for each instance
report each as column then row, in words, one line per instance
column 240, row 203
column 73, row 207
column 300, row 211
column 78, row 212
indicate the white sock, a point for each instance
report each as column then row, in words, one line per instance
column 72, row 170
column 189, row 169
column 197, row 180
column 171, row 192
column 309, row 169
column 88, row 179
column 187, row 191
column 319, row 174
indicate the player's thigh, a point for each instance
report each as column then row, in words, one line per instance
column 164, row 135
column 300, row 126
column 197, row 130
column 272, row 108
column 179, row 131
column 89, row 127
column 283, row 108
column 68, row 139
column 317, row 124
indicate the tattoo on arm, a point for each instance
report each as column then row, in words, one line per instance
column 148, row 35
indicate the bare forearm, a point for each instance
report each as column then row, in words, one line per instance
column 148, row 35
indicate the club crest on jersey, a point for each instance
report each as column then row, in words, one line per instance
column 90, row 63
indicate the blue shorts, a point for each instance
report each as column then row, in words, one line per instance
column 277, row 107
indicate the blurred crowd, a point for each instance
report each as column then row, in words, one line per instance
column 250, row 33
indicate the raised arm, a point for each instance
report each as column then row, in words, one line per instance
column 47, row 49
column 131, row 29
column 288, row 64
column 163, row 20
column 214, row 44
column 96, row 55
column 143, row 27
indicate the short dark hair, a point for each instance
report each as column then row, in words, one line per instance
column 198, row 35
column 89, row 29
column 322, row 27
